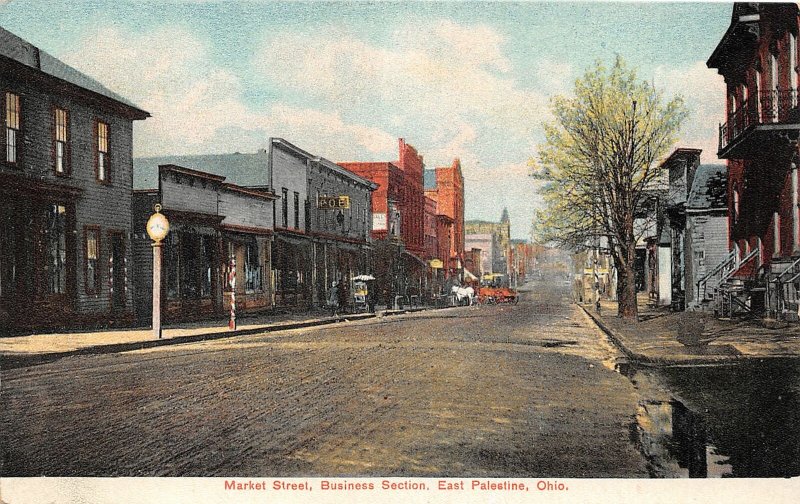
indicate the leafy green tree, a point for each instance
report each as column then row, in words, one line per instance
column 599, row 162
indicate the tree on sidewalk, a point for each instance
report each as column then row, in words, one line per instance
column 598, row 163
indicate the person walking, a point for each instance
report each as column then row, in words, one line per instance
column 333, row 298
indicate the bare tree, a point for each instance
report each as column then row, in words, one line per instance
column 599, row 160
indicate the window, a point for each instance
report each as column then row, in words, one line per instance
column 758, row 95
column 316, row 208
column 285, row 208
column 296, row 210
column 189, row 260
column 12, row 127
column 735, row 203
column 103, row 167
column 776, row 234
column 92, row 251
column 60, row 138
column 172, row 264
column 252, row 268
column 793, row 68
column 795, row 208
column 773, row 67
column 56, row 246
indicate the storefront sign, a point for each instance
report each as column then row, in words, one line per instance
column 378, row 221
column 328, row 202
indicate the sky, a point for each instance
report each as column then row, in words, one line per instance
column 345, row 80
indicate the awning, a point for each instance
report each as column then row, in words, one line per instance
column 415, row 258
column 469, row 276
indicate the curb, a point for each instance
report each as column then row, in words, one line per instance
column 647, row 361
column 13, row 361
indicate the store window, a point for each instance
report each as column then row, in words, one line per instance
column 92, row 254
column 252, row 268
column 56, row 247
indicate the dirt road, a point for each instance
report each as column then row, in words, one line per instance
column 476, row 391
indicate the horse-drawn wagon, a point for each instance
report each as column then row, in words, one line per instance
column 494, row 289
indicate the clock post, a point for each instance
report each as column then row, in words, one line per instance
column 157, row 229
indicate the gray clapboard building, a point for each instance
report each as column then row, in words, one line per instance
column 693, row 228
column 65, row 194
column 300, row 246
column 217, row 229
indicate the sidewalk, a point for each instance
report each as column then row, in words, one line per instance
column 19, row 351
column 654, row 339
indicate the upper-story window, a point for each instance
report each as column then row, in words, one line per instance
column 793, row 68
column 60, row 139
column 13, row 113
column 316, row 209
column 102, row 162
column 285, row 208
column 735, row 203
column 773, row 70
column 758, row 92
column 296, row 210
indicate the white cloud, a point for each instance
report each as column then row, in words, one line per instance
column 704, row 92
column 195, row 104
column 453, row 74
column 554, row 77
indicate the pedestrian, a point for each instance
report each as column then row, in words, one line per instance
column 333, row 299
column 342, row 293
column 371, row 296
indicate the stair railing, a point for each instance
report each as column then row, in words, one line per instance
column 722, row 269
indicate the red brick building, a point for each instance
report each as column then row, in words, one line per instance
column 398, row 205
column 445, row 185
column 398, row 223
column 757, row 57
column 431, row 239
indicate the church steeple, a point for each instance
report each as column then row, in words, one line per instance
column 505, row 218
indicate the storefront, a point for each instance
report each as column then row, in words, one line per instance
column 37, row 258
column 291, row 274
column 191, row 268
column 252, row 252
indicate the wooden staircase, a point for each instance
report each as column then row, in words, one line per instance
column 729, row 291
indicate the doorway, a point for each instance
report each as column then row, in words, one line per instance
column 118, row 273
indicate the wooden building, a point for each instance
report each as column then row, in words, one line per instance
column 214, row 227
column 65, row 194
column 339, row 222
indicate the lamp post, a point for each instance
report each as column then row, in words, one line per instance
column 157, row 229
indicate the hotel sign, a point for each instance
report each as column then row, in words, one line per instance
column 378, row 221
column 331, row 202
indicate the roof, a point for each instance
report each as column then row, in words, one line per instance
column 710, row 187
column 248, row 170
column 346, row 173
column 25, row 53
column 429, row 179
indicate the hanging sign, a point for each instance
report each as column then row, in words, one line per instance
column 328, row 202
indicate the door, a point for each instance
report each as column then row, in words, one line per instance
column 118, row 272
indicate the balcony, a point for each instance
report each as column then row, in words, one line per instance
column 767, row 121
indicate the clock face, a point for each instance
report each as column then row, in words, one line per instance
column 157, row 227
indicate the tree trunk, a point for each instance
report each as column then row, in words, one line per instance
column 627, row 306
